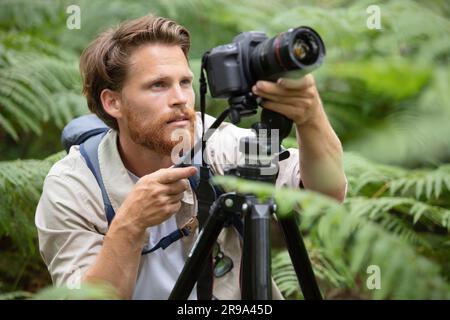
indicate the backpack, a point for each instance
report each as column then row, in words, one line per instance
column 87, row 131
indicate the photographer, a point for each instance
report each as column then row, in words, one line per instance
column 137, row 80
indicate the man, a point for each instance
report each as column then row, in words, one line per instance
column 138, row 81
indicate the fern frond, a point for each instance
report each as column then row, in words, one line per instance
column 373, row 208
column 353, row 234
column 423, row 183
column 370, row 244
column 20, row 188
column 375, row 180
column 36, row 89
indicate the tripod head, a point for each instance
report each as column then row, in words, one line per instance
column 262, row 153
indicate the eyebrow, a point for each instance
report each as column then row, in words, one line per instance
column 165, row 78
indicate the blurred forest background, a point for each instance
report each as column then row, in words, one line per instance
column 386, row 93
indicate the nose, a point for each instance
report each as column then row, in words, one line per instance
column 178, row 96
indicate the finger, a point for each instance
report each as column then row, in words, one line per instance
column 177, row 187
column 297, row 84
column 175, row 198
column 284, row 87
column 171, row 175
column 295, row 101
column 285, row 109
column 268, row 87
column 173, row 207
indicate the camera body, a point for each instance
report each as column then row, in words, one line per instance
column 232, row 69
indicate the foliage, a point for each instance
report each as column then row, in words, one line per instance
column 358, row 82
column 407, row 237
column 86, row 291
column 385, row 92
column 20, row 188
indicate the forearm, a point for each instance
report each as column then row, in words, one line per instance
column 321, row 167
column 119, row 258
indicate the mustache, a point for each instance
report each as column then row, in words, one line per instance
column 188, row 114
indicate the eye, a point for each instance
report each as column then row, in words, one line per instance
column 186, row 82
column 159, row 84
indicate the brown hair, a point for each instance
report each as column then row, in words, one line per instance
column 104, row 63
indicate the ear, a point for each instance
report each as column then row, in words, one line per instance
column 112, row 103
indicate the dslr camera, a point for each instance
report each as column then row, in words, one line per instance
column 232, row 69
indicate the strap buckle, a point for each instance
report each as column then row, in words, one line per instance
column 191, row 225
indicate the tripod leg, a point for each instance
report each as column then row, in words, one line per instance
column 197, row 259
column 256, row 280
column 300, row 260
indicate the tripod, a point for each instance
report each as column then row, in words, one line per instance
column 213, row 215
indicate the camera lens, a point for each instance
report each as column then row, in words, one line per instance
column 297, row 49
column 301, row 49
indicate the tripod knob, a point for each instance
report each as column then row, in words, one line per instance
column 235, row 116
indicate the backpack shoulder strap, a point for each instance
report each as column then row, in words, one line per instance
column 89, row 151
column 80, row 129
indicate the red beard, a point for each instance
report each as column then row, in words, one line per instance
column 156, row 134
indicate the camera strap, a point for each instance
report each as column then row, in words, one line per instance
column 187, row 229
column 205, row 195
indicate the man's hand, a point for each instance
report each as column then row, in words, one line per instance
column 297, row 99
column 155, row 197
column 321, row 167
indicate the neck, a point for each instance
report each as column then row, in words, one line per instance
column 139, row 159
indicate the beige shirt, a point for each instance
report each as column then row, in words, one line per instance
column 71, row 220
